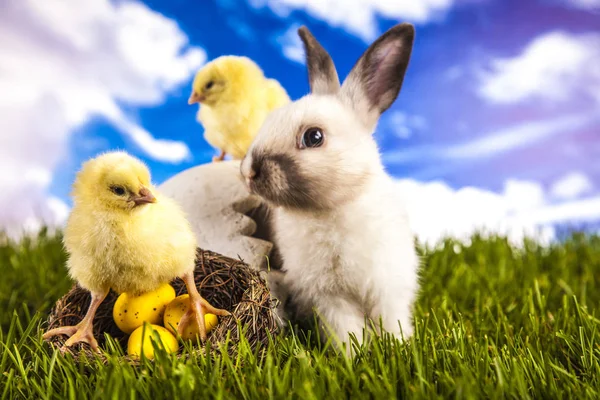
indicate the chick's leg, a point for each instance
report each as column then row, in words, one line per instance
column 198, row 307
column 83, row 331
column 220, row 157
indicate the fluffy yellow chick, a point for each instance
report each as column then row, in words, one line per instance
column 122, row 234
column 235, row 98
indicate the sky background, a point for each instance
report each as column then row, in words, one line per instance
column 497, row 125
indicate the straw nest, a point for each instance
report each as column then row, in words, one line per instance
column 225, row 282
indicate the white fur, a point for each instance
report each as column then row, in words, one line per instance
column 357, row 260
column 353, row 262
column 349, row 254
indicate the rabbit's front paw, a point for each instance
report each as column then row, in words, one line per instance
column 338, row 320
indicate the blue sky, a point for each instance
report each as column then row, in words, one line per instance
column 500, row 104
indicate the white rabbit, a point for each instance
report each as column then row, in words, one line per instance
column 340, row 225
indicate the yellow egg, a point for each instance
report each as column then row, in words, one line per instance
column 176, row 309
column 142, row 339
column 130, row 312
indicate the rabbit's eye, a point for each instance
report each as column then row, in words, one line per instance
column 313, row 137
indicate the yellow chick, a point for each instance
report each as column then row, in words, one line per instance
column 122, row 234
column 235, row 97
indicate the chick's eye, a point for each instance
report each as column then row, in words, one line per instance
column 118, row 190
column 209, row 84
column 313, row 137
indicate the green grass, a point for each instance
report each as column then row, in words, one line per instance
column 492, row 321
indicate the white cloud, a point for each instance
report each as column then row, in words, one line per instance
column 557, row 66
column 359, row 17
column 404, row 125
column 59, row 209
column 586, row 210
column 495, row 143
column 52, row 213
column 435, row 210
column 64, row 63
column 291, row 45
column 164, row 150
column 521, row 210
column 523, row 195
column 571, row 186
column 590, row 5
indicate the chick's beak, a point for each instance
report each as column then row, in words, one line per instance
column 195, row 98
column 145, row 196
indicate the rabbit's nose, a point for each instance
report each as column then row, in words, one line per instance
column 251, row 175
column 254, row 170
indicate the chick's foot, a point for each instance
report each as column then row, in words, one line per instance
column 77, row 334
column 195, row 314
column 63, row 330
column 83, row 331
column 220, row 157
column 198, row 308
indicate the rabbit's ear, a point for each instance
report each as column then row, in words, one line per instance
column 375, row 80
column 322, row 75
